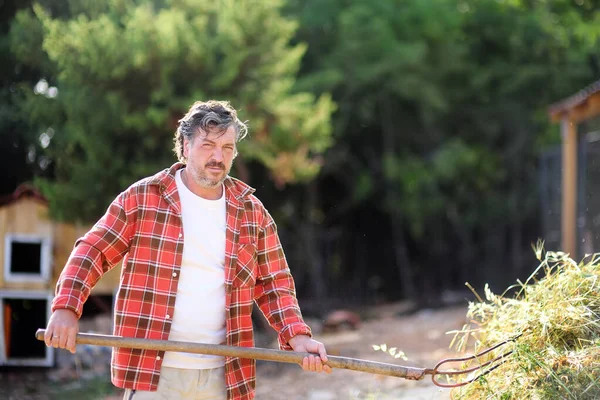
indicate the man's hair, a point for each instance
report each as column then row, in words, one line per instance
column 207, row 116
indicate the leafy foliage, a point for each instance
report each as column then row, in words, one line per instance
column 126, row 71
column 442, row 113
column 425, row 171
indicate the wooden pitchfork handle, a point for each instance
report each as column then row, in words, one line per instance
column 354, row 364
column 246, row 352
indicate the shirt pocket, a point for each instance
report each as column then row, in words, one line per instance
column 246, row 266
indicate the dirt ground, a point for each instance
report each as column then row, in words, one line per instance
column 421, row 336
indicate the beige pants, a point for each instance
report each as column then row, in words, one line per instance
column 187, row 384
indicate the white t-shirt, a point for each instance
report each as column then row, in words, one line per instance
column 200, row 306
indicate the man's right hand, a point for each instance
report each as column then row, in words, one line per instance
column 62, row 330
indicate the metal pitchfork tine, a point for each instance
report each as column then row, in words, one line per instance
column 373, row 367
column 494, row 362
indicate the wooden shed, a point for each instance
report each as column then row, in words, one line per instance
column 572, row 113
column 33, row 250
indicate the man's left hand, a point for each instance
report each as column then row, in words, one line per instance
column 305, row 344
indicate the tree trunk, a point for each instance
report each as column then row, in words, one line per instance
column 243, row 173
column 360, row 281
column 516, row 232
column 467, row 252
column 310, row 235
column 403, row 266
column 495, row 258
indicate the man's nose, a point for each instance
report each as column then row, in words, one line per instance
column 217, row 154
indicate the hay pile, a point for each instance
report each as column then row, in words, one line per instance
column 558, row 356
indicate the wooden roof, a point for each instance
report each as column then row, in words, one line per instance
column 581, row 106
column 23, row 191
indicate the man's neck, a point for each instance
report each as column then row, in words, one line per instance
column 201, row 191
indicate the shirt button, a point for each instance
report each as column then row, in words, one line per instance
column 158, row 358
column 174, row 274
column 181, row 235
column 167, row 316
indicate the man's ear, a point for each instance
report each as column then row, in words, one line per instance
column 186, row 147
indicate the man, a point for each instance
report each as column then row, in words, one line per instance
column 198, row 249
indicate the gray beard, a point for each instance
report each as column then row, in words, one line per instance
column 207, row 182
column 210, row 183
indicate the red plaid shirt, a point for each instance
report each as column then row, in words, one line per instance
column 143, row 228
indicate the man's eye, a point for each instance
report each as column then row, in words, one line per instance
column 207, row 145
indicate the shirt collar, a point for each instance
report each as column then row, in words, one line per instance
column 166, row 181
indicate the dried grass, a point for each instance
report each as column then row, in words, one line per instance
column 557, row 310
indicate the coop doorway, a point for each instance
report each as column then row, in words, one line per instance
column 21, row 315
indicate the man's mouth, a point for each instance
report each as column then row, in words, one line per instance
column 215, row 168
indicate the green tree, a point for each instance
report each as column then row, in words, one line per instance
column 17, row 161
column 121, row 73
column 442, row 107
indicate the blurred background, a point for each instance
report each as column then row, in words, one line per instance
column 404, row 147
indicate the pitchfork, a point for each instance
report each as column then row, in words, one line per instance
column 373, row 367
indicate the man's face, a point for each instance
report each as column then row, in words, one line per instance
column 210, row 156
